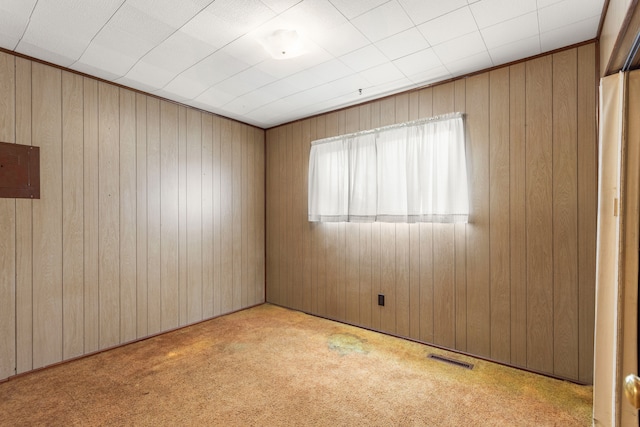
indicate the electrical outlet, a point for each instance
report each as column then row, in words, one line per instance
column 381, row 299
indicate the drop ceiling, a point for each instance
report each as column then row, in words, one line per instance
column 207, row 53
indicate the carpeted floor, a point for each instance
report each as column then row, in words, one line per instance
column 272, row 366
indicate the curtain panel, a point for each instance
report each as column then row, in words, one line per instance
column 412, row 172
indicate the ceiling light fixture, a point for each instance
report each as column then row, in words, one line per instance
column 283, row 44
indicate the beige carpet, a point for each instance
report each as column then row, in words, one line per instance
column 272, row 366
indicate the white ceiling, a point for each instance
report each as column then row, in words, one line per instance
column 206, row 53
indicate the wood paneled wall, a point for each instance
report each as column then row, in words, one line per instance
column 151, row 217
column 515, row 284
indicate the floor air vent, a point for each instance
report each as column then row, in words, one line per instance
column 464, row 365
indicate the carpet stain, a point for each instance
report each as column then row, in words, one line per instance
column 344, row 344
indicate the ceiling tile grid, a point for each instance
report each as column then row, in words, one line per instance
column 208, row 53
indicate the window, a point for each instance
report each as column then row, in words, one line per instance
column 412, row 172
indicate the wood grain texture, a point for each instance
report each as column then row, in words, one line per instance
column 72, row 213
column 194, row 216
column 478, row 229
column 587, row 205
column 485, row 287
column 101, row 259
column 539, row 214
column 47, row 217
column 109, row 215
column 499, row 244
column 517, row 212
column 91, row 218
column 24, row 232
column 128, row 220
column 565, row 214
column 7, row 227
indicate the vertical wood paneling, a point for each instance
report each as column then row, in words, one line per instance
column 331, row 234
column 154, row 307
column 47, row 217
column 517, row 224
column 217, row 230
column 499, row 248
column 109, row 215
column 366, row 291
column 182, row 215
column 194, row 216
column 486, row 287
column 226, row 243
column 460, row 237
column 141, row 216
column 207, row 237
column 307, row 257
column 388, row 243
column 72, row 213
column 539, row 214
column 402, row 281
column 103, row 257
column 91, row 218
column 128, row 225
column 207, row 218
column 565, row 214
column 352, row 239
column 24, row 235
column 478, row 245
column 300, row 211
column 444, row 312
column 587, row 201
column 426, row 246
column 7, row 226
column 169, row 215
column 236, row 215
column 414, row 247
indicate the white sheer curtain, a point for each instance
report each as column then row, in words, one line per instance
column 413, row 172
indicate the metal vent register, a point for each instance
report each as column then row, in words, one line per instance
column 464, row 365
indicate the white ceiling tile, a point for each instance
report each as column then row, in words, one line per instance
column 342, row 39
column 140, row 24
column 320, row 74
column 411, row 64
column 249, row 102
column 243, row 15
column 209, row 29
column 179, row 52
column 490, row 12
column 186, row 87
column 48, row 29
column 353, row 8
column 280, row 88
column 449, row 26
column 425, row 10
column 470, row 64
column 383, row 21
column 402, row 44
column 570, row 34
column 382, row 74
column 170, row 95
column 95, row 70
column 282, row 68
column 174, row 13
column 136, row 84
column 214, row 69
column 545, row 3
column 516, row 50
column 214, row 97
column 14, row 17
column 522, row 27
column 567, row 12
column 459, row 48
column 111, row 61
column 280, row 6
column 245, row 81
column 150, row 75
column 246, row 49
column 313, row 17
column 429, row 76
column 364, row 58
